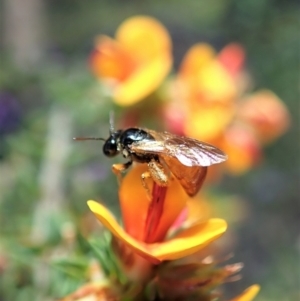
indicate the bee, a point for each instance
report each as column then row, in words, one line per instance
column 165, row 154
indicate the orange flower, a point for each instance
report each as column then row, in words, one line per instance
column 266, row 113
column 242, row 147
column 207, row 106
column 146, row 223
column 136, row 62
column 208, row 91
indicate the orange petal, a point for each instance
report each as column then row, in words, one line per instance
column 249, row 294
column 134, row 204
column 198, row 210
column 110, row 60
column 198, row 56
column 266, row 113
column 242, row 149
column 185, row 243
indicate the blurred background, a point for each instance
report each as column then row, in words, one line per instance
column 48, row 95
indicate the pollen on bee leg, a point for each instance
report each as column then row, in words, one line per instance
column 158, row 173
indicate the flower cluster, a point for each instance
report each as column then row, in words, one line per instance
column 210, row 98
column 155, row 244
column 163, row 246
column 211, row 90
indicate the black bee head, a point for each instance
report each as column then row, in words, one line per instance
column 110, row 147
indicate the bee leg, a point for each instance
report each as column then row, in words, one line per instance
column 158, row 173
column 117, row 169
column 144, row 176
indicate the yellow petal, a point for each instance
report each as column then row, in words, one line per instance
column 205, row 78
column 208, row 122
column 249, row 294
column 108, row 220
column 143, row 81
column 144, row 37
column 189, row 241
column 197, row 56
column 149, row 44
column 216, row 83
column 185, row 243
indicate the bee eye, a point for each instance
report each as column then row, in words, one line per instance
column 110, row 148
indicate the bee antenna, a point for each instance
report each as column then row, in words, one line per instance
column 111, row 122
column 88, row 138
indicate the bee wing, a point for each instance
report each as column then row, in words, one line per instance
column 191, row 152
column 191, row 178
column 188, row 151
column 148, row 146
